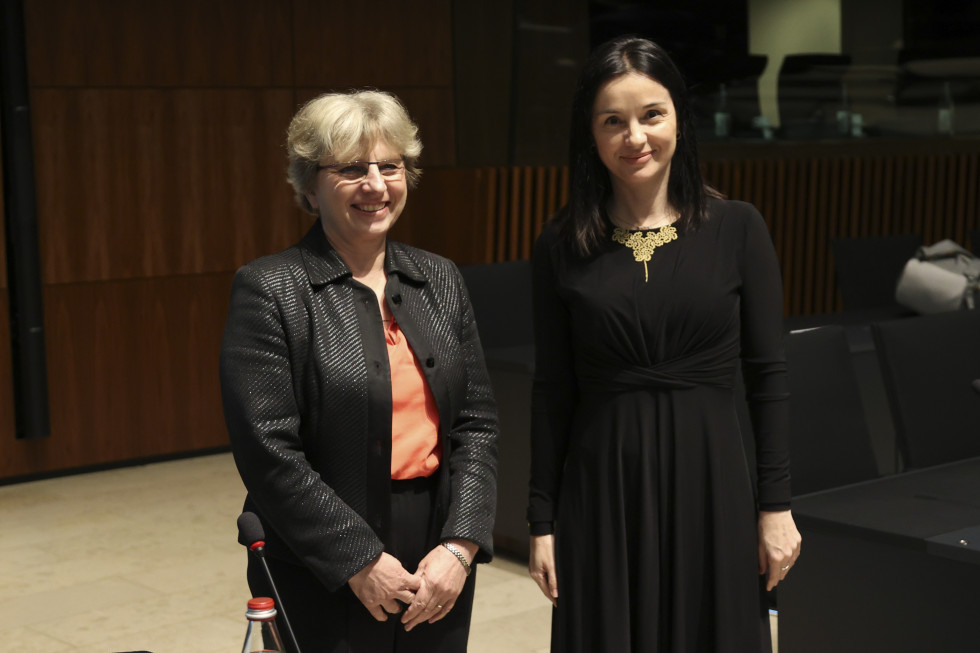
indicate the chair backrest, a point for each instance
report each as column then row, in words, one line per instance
column 868, row 268
column 931, row 368
column 829, row 440
column 830, row 444
column 501, row 298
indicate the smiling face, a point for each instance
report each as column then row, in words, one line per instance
column 361, row 211
column 635, row 130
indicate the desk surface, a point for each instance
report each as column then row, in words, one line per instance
column 907, row 509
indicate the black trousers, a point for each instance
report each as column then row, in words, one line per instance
column 337, row 622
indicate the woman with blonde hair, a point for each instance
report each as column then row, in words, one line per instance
column 357, row 400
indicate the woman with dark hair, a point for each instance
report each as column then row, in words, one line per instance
column 649, row 291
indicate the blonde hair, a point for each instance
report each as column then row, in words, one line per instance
column 341, row 127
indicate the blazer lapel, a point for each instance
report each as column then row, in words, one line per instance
column 323, row 263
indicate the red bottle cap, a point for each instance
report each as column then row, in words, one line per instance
column 261, row 603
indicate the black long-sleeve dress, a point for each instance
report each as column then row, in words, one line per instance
column 637, row 459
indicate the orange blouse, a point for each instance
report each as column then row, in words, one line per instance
column 415, row 449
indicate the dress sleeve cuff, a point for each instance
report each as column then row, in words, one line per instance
column 774, row 507
column 541, row 527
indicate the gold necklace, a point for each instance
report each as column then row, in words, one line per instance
column 644, row 242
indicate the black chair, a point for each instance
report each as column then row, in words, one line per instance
column 501, row 298
column 829, row 442
column 810, row 91
column 868, row 269
column 931, row 369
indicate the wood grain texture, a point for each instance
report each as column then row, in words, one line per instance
column 142, row 183
column 160, row 43
column 807, row 196
column 384, row 43
column 133, row 372
column 447, row 215
column 159, row 131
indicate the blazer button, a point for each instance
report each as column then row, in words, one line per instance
column 397, row 299
column 430, row 362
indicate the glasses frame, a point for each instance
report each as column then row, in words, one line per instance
column 367, row 164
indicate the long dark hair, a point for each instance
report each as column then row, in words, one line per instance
column 583, row 218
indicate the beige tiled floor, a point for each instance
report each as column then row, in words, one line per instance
column 146, row 558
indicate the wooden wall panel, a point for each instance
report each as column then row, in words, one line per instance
column 929, row 192
column 431, row 108
column 140, row 183
column 446, row 214
column 808, row 198
column 158, row 43
column 384, row 43
column 133, row 372
column 159, row 129
column 519, row 201
column 483, row 53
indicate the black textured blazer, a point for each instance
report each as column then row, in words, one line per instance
column 307, row 399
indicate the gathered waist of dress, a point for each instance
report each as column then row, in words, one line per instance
column 678, row 374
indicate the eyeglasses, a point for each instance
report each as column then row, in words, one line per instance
column 390, row 169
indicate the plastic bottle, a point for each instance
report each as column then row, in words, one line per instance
column 844, row 115
column 723, row 119
column 946, row 111
column 262, row 635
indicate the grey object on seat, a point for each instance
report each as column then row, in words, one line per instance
column 929, row 364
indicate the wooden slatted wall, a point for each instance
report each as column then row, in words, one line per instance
column 519, row 202
column 807, row 200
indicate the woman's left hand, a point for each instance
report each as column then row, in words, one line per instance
column 779, row 545
column 442, row 578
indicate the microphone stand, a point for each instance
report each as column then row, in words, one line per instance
column 258, row 549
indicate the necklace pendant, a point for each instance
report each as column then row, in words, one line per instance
column 643, row 244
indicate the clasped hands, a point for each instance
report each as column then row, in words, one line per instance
column 430, row 593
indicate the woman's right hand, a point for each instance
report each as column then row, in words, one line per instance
column 542, row 565
column 380, row 583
